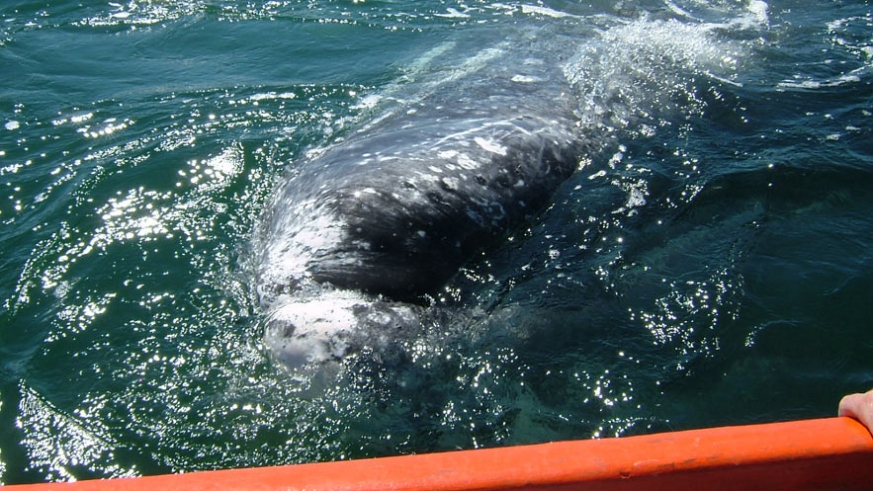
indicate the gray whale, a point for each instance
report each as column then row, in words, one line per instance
column 362, row 233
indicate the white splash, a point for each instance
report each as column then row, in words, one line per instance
column 286, row 256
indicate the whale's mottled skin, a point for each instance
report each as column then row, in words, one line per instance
column 365, row 230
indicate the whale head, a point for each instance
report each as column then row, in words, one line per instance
column 309, row 332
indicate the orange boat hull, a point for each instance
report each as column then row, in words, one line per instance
column 821, row 454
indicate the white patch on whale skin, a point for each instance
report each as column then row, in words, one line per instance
column 426, row 178
column 319, row 324
column 450, row 183
column 467, row 163
column 359, row 193
column 490, row 146
column 524, row 79
column 307, row 332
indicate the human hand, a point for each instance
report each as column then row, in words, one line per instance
column 860, row 407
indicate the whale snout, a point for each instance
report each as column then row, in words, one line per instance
column 302, row 334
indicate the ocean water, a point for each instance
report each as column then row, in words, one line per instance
column 710, row 263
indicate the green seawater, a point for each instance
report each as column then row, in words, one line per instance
column 711, row 263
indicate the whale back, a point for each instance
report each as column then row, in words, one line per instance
column 397, row 210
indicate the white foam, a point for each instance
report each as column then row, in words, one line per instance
column 298, row 238
column 545, row 11
column 817, row 84
column 678, row 10
column 453, row 14
column 760, row 10
column 633, row 70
